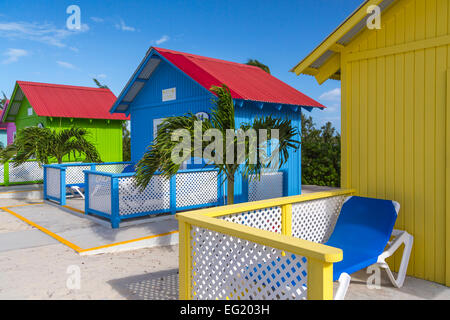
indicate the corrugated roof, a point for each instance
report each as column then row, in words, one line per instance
column 54, row 100
column 245, row 82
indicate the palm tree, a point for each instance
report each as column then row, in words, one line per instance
column 44, row 145
column 3, row 101
column 158, row 156
column 256, row 63
column 102, row 86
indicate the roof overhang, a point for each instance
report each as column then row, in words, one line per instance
column 14, row 104
column 137, row 81
column 324, row 62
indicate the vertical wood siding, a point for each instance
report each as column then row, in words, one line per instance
column 394, row 125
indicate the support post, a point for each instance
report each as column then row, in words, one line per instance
column 45, row 182
column 286, row 219
column 62, row 185
column 220, row 185
column 320, row 280
column 245, row 184
column 185, row 263
column 173, row 194
column 6, row 173
column 115, row 216
column 86, row 193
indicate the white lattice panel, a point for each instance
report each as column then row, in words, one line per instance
column 269, row 186
column 196, row 188
column 28, row 171
column 100, row 193
column 225, row 267
column 315, row 220
column 53, row 178
column 155, row 197
column 75, row 174
column 268, row 219
column 2, row 173
column 111, row 168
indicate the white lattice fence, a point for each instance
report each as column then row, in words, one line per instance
column 196, row 188
column 155, row 197
column 75, row 174
column 111, row 168
column 269, row 186
column 226, row 267
column 268, row 219
column 53, row 187
column 100, row 193
column 2, row 174
column 315, row 220
column 26, row 172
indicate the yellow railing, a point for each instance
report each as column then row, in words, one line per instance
column 320, row 257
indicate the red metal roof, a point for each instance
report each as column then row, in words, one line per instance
column 245, row 82
column 54, row 100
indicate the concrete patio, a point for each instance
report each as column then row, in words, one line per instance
column 35, row 266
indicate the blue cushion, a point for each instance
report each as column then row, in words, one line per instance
column 362, row 231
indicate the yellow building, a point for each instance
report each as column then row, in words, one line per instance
column 395, row 84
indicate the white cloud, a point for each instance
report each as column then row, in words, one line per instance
column 13, row 55
column 163, row 39
column 122, row 26
column 332, row 95
column 98, row 76
column 97, row 19
column 65, row 64
column 46, row 33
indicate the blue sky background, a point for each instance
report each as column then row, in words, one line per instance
column 35, row 44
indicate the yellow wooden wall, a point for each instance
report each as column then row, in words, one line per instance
column 395, row 94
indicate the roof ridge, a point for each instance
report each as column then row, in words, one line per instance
column 43, row 84
column 206, row 58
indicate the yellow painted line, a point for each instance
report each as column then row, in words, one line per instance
column 68, row 243
column 20, row 191
column 23, row 205
column 48, row 232
column 74, row 209
column 131, row 241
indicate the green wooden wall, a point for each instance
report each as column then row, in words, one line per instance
column 105, row 134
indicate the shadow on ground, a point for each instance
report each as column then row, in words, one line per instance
column 152, row 286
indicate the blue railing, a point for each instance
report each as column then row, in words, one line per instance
column 59, row 177
column 111, row 194
column 117, row 197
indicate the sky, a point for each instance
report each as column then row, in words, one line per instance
column 36, row 44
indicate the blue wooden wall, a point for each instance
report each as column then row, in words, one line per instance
column 3, row 138
column 192, row 97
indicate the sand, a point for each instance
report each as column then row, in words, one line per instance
column 41, row 273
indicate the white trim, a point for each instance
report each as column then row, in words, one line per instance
column 400, row 237
column 396, row 206
column 344, row 282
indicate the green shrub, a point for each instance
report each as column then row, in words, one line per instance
column 321, row 154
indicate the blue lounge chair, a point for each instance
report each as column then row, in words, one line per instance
column 363, row 232
column 80, row 187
